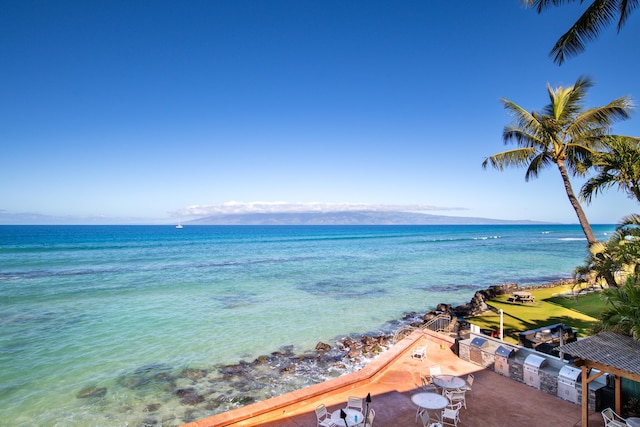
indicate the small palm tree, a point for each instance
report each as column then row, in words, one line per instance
column 618, row 165
column 616, row 259
column 622, row 314
column 563, row 134
column 596, row 17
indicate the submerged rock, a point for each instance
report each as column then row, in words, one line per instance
column 92, row 392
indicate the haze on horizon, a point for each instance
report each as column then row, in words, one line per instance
column 129, row 112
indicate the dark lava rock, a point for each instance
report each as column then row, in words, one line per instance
column 192, row 399
column 323, row 347
column 189, row 396
column 181, row 392
column 153, row 407
column 193, row 374
column 92, row 392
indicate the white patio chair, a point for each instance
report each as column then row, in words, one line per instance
column 469, row 382
column 456, row 395
column 434, row 371
column 324, row 419
column 370, row 417
column 354, row 402
column 612, row 419
column 428, row 385
column 420, row 353
column 424, row 417
column 452, row 414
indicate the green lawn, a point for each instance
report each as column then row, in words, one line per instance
column 548, row 309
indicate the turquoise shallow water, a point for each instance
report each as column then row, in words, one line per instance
column 105, row 306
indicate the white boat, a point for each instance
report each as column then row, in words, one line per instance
column 179, row 224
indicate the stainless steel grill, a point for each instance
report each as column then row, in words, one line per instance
column 501, row 360
column 531, row 370
column 475, row 349
column 568, row 379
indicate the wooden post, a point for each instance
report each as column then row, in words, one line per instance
column 585, row 396
column 618, row 393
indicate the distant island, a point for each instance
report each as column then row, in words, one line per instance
column 347, row 218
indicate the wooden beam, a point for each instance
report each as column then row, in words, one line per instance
column 611, row 370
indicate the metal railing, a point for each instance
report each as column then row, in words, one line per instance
column 440, row 323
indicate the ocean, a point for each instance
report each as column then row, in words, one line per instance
column 142, row 325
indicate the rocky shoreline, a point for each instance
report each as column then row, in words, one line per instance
column 195, row 393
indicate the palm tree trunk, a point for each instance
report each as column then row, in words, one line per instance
column 582, row 218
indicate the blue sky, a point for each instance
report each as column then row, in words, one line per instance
column 148, row 111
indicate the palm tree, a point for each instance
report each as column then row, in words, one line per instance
column 618, row 165
column 562, row 134
column 622, row 314
column 597, row 16
column 616, row 259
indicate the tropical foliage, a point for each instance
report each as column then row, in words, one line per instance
column 614, row 261
column 564, row 134
column 618, row 165
column 622, row 311
column 587, row 28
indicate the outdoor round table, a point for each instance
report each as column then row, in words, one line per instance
column 430, row 402
column 633, row 422
column 448, row 381
column 354, row 418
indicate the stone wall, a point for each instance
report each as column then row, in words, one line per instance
column 548, row 373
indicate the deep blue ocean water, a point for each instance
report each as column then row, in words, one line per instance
column 100, row 307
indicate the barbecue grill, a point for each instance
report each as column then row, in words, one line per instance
column 475, row 349
column 531, row 370
column 568, row 379
column 501, row 360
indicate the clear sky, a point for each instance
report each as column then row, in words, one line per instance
column 145, row 111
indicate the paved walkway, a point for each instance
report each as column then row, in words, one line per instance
column 495, row 400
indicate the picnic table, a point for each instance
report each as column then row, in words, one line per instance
column 522, row 297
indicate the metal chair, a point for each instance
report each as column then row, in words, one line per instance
column 355, row 402
column 612, row 419
column 434, row 371
column 456, row 395
column 451, row 413
column 324, row 419
column 370, row 417
column 469, row 382
column 420, row 353
column 428, row 385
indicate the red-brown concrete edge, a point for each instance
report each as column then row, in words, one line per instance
column 289, row 402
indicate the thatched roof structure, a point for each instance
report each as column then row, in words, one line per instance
column 608, row 353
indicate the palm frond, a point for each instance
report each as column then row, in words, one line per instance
column 587, row 28
column 538, row 163
column 517, row 157
column 626, row 7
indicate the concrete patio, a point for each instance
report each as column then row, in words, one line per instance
column 494, row 401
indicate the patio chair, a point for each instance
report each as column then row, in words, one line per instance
column 426, row 420
column 456, row 395
column 612, row 419
column 324, row 419
column 354, row 402
column 434, row 371
column 452, row 414
column 469, row 382
column 420, row 353
column 370, row 417
column 428, row 385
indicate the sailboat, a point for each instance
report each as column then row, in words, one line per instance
column 179, row 224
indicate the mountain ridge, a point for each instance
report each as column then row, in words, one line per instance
column 347, row 218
